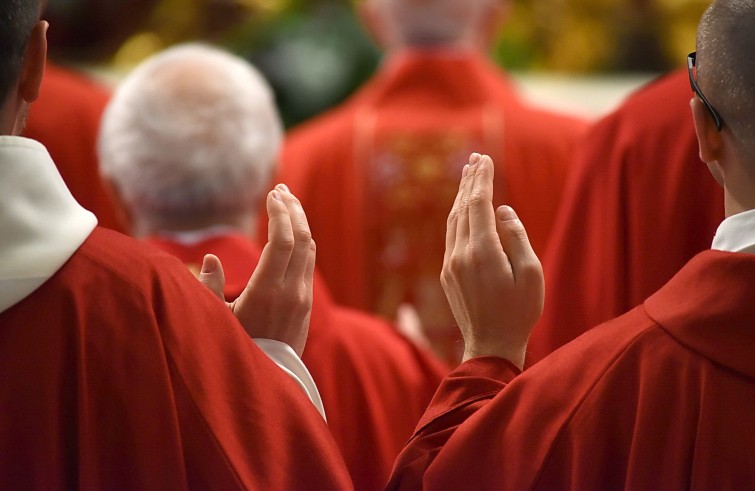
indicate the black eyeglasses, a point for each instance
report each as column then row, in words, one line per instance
column 691, row 58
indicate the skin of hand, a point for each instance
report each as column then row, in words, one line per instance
column 277, row 301
column 491, row 276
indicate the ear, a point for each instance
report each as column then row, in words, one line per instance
column 33, row 68
column 709, row 138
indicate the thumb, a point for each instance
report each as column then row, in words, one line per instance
column 515, row 243
column 212, row 275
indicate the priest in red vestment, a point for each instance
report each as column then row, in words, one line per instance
column 638, row 206
column 662, row 397
column 377, row 175
column 117, row 369
column 66, row 119
column 188, row 141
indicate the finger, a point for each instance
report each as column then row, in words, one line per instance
column 212, row 275
column 515, row 243
column 453, row 218
column 481, row 213
column 280, row 240
column 303, row 249
column 309, row 273
column 462, row 224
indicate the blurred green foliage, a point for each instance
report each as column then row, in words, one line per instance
column 314, row 55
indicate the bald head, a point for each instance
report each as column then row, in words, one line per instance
column 189, row 139
column 415, row 23
column 726, row 67
column 17, row 19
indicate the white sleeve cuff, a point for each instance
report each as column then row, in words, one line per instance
column 286, row 358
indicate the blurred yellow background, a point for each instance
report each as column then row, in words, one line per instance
column 314, row 52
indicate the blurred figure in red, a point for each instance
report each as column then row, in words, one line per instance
column 378, row 174
column 66, row 117
column 189, row 141
column 639, row 205
column 118, row 370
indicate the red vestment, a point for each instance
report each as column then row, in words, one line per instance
column 122, row 372
column 374, row 383
column 638, row 206
column 660, row 398
column 378, row 175
column 66, row 119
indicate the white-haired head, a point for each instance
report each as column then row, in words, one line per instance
column 423, row 23
column 190, row 138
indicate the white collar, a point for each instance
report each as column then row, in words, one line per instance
column 736, row 233
column 41, row 224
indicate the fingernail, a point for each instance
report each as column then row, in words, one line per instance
column 507, row 213
column 277, row 195
column 209, row 266
column 282, row 188
column 465, row 171
column 474, row 159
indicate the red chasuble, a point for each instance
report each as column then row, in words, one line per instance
column 640, row 204
column 374, row 384
column 66, row 119
column 660, row 398
column 122, row 372
column 379, row 174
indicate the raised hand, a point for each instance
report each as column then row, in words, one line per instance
column 492, row 278
column 277, row 301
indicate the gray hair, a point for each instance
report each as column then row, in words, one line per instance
column 726, row 67
column 192, row 132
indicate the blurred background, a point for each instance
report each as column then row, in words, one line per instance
column 580, row 56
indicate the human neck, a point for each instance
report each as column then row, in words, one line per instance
column 739, row 193
column 459, row 45
column 8, row 118
column 244, row 224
